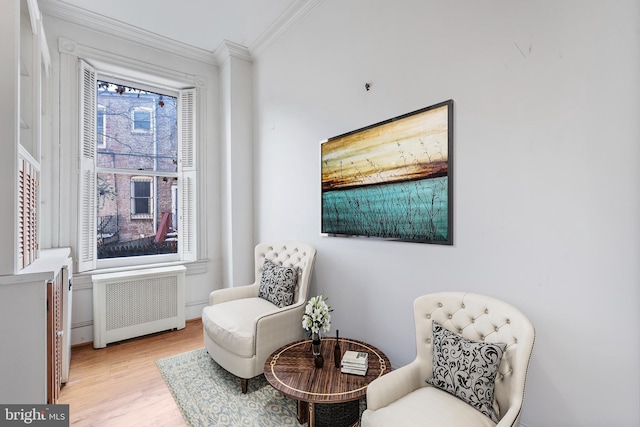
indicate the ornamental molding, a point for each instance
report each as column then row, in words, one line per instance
column 294, row 14
column 115, row 65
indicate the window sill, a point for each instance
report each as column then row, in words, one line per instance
column 83, row 280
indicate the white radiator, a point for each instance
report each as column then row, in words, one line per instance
column 130, row 304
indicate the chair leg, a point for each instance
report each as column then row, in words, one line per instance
column 244, row 382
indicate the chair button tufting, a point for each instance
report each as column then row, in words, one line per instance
column 460, row 331
column 449, row 316
column 439, row 304
column 496, row 329
column 428, row 316
column 486, row 311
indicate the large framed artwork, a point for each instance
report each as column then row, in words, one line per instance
column 392, row 180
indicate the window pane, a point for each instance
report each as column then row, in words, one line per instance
column 141, row 205
column 137, row 215
column 142, row 120
column 142, row 189
column 141, row 130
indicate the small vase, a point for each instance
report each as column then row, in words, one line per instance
column 318, row 361
column 316, row 343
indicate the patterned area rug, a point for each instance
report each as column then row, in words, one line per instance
column 210, row 396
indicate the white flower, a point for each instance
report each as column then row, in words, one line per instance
column 316, row 315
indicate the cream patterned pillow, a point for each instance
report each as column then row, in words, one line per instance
column 278, row 284
column 466, row 368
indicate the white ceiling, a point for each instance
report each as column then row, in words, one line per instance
column 200, row 23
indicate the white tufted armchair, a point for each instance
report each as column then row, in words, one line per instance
column 241, row 329
column 403, row 397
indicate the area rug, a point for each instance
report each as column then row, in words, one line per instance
column 210, row 396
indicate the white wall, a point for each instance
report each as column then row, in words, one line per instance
column 546, row 181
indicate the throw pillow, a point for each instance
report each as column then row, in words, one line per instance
column 466, row 368
column 278, row 284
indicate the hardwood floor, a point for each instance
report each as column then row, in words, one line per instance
column 120, row 385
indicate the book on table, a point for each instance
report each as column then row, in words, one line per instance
column 354, row 371
column 355, row 357
column 355, row 362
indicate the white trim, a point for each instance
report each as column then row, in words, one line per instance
column 83, row 280
column 296, row 12
column 101, row 137
column 134, row 262
column 228, row 49
column 115, row 65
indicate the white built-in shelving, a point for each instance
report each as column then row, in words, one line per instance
column 31, row 286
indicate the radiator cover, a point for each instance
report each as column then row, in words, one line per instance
column 130, row 304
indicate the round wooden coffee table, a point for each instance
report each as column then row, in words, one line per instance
column 326, row 396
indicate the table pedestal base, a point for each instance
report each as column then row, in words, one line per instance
column 345, row 414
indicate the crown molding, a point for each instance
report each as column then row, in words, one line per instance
column 124, row 31
column 228, row 49
column 296, row 12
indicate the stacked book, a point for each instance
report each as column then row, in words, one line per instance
column 355, row 362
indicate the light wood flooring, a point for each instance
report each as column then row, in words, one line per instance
column 121, row 386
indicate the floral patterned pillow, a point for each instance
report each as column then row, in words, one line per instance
column 278, row 284
column 465, row 368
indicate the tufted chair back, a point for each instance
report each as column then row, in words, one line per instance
column 288, row 254
column 480, row 318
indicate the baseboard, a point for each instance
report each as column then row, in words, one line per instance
column 82, row 333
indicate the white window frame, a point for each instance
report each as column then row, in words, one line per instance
column 187, row 181
column 102, row 137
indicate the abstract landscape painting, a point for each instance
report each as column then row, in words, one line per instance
column 391, row 180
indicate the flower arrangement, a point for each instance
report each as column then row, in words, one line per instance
column 316, row 315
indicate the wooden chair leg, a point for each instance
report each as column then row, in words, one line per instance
column 244, row 382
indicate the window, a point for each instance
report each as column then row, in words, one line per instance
column 142, row 197
column 137, row 202
column 142, row 119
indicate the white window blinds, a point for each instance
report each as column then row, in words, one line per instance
column 187, row 168
column 87, row 229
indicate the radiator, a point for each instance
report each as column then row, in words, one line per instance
column 130, row 304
